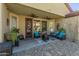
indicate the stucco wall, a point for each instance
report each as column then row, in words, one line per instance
column 51, row 25
column 71, row 27
column 56, row 8
column 78, row 27
column 3, row 21
column 4, row 18
column 21, row 24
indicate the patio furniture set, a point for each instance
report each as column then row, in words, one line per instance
column 58, row 34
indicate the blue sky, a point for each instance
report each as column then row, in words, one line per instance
column 74, row 6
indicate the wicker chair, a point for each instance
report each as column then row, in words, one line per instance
column 6, row 48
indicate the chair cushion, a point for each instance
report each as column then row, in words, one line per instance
column 36, row 34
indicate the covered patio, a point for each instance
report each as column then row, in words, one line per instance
column 39, row 20
column 28, row 23
column 29, row 19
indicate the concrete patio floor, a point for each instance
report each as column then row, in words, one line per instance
column 50, row 48
column 29, row 43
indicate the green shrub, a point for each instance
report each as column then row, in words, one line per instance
column 15, row 30
column 62, row 30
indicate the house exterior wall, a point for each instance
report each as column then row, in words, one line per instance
column 71, row 27
column 78, row 27
column 21, row 22
column 51, row 25
column 3, row 21
column 56, row 8
column 69, row 24
column 5, row 14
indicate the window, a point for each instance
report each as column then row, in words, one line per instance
column 37, row 25
column 13, row 22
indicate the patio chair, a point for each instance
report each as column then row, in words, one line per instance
column 6, row 48
column 36, row 34
column 61, row 36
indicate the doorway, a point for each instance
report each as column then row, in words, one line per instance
column 44, row 26
column 28, row 27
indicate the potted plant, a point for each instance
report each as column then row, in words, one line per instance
column 62, row 30
column 14, row 38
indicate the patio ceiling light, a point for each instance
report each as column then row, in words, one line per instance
column 48, row 18
column 33, row 15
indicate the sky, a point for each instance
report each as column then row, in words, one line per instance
column 74, row 6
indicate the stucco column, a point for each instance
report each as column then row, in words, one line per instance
column 1, row 34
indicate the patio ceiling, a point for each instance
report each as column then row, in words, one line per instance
column 26, row 10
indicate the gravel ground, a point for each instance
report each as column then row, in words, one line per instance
column 55, row 48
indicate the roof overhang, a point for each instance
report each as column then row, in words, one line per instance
column 27, row 11
column 68, row 6
column 72, row 14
